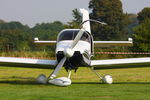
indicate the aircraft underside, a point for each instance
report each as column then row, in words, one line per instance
column 75, row 61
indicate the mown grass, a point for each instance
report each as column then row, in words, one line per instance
column 129, row 84
column 75, row 92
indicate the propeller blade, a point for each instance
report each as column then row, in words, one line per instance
column 58, row 68
column 77, row 38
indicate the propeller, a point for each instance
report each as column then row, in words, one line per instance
column 68, row 52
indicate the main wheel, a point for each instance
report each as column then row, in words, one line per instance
column 107, row 79
column 42, row 79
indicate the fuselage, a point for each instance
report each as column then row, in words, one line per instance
column 82, row 52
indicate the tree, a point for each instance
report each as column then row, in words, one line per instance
column 20, row 37
column 23, row 46
column 142, row 36
column 111, row 12
column 133, row 23
column 2, row 21
column 75, row 23
column 144, row 14
column 142, row 31
column 13, row 33
column 47, row 31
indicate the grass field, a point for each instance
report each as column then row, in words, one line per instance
column 129, row 84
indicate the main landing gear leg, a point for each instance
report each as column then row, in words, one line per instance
column 69, row 74
column 105, row 79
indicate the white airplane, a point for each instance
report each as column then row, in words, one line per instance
column 75, row 48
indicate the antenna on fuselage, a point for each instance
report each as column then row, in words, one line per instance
column 93, row 20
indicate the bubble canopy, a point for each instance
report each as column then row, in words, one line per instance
column 71, row 34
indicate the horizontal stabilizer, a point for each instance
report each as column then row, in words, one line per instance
column 113, row 43
column 36, row 40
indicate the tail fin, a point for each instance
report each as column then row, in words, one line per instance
column 85, row 17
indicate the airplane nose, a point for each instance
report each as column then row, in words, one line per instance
column 68, row 52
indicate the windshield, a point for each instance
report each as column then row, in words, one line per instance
column 71, row 34
column 68, row 35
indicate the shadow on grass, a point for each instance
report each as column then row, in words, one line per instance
column 19, row 80
column 113, row 83
column 33, row 82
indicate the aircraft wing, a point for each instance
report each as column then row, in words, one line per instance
column 26, row 62
column 121, row 63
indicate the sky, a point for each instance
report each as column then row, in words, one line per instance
column 31, row 12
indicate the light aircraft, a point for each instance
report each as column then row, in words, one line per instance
column 75, row 48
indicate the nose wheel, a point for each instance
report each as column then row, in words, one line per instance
column 107, row 79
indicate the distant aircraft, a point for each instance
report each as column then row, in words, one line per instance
column 75, row 48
